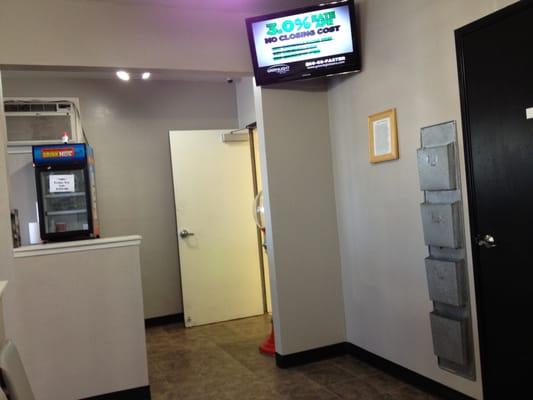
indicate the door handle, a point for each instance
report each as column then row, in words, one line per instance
column 184, row 234
column 486, row 241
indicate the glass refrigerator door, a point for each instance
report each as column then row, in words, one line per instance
column 64, row 201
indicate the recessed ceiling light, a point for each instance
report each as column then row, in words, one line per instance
column 123, row 75
column 146, row 75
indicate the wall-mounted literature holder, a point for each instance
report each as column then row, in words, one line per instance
column 441, row 212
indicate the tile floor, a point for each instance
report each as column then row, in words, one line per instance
column 222, row 362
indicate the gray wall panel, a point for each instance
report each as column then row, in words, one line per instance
column 445, row 281
column 449, row 338
column 436, row 167
column 440, row 224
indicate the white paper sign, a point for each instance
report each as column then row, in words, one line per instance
column 529, row 113
column 382, row 137
column 61, row 183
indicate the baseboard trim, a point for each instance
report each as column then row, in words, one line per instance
column 426, row 384
column 140, row 393
column 164, row 320
column 309, row 356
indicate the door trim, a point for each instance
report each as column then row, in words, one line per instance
column 259, row 235
column 460, row 35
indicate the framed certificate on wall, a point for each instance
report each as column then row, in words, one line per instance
column 383, row 136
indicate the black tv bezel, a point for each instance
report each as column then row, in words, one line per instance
column 353, row 66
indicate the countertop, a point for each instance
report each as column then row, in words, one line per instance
column 76, row 245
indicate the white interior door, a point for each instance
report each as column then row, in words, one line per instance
column 219, row 260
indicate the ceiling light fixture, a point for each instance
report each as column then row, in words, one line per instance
column 146, row 75
column 123, row 75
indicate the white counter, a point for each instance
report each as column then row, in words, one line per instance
column 77, row 245
column 77, row 318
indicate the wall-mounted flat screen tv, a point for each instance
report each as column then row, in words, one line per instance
column 304, row 43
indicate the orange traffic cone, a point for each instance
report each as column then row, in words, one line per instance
column 268, row 347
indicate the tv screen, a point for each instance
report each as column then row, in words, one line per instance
column 304, row 43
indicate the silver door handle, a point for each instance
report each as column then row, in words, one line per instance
column 486, row 241
column 185, row 234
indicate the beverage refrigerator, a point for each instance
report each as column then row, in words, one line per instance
column 66, row 191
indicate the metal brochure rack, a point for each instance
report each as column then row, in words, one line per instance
column 442, row 220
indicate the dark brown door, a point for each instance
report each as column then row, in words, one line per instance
column 495, row 58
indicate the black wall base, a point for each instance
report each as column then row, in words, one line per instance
column 140, row 393
column 413, row 378
column 164, row 320
column 310, row 356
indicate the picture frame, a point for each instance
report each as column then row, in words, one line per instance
column 383, row 136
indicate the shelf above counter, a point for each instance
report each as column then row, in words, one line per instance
column 66, row 212
column 76, row 246
column 62, row 195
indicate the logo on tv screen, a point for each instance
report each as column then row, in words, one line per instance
column 280, row 69
column 65, row 152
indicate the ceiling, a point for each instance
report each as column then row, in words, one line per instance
column 252, row 7
column 108, row 73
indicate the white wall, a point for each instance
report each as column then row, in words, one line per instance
column 3, row 285
column 245, row 101
column 302, row 239
column 408, row 63
column 6, row 243
column 207, row 35
column 128, row 124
